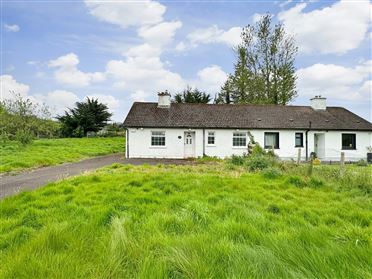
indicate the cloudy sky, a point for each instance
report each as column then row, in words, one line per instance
column 59, row 52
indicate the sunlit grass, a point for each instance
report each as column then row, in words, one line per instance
column 201, row 221
column 46, row 152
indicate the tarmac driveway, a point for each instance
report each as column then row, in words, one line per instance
column 12, row 184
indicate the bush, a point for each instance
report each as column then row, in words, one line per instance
column 362, row 163
column 237, row 160
column 24, row 137
column 271, row 173
column 260, row 162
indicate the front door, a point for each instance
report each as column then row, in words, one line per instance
column 319, row 145
column 189, row 144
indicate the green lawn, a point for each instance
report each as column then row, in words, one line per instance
column 203, row 221
column 46, row 152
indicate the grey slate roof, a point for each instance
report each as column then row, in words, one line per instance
column 148, row 115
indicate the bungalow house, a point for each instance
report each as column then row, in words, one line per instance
column 172, row 130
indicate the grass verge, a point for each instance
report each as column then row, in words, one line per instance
column 45, row 152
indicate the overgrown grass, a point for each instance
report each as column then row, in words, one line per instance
column 211, row 220
column 15, row 156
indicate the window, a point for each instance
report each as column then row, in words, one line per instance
column 239, row 139
column 157, row 138
column 211, row 138
column 348, row 141
column 299, row 142
column 272, row 140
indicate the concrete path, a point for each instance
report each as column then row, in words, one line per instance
column 12, row 184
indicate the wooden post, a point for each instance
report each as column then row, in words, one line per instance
column 342, row 164
column 299, row 156
column 310, row 169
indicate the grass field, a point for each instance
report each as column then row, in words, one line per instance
column 45, row 152
column 203, row 221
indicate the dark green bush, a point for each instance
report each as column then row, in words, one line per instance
column 260, row 162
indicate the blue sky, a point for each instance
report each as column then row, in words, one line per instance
column 59, row 52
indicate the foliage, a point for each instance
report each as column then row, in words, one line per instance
column 46, row 152
column 362, row 163
column 21, row 119
column 190, row 95
column 260, row 162
column 88, row 116
column 264, row 72
column 272, row 173
column 199, row 221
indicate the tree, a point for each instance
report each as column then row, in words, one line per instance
column 190, row 95
column 23, row 119
column 88, row 116
column 264, row 72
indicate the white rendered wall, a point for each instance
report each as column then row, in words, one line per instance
column 140, row 144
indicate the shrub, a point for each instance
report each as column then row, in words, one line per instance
column 260, row 162
column 271, row 173
column 362, row 163
column 237, row 160
column 24, row 137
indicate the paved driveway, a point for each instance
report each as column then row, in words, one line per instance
column 12, row 184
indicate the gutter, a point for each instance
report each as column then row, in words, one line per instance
column 306, row 143
column 203, row 142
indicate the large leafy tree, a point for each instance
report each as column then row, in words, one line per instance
column 264, row 71
column 190, row 95
column 87, row 116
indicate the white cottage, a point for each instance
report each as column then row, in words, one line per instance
column 172, row 130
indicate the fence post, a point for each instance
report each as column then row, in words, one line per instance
column 299, row 156
column 342, row 164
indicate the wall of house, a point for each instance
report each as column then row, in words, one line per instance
column 140, row 144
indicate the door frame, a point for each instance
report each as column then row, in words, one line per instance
column 186, row 138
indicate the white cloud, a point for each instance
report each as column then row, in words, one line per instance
column 144, row 50
column 160, row 34
column 335, row 81
column 58, row 100
column 213, row 34
column 12, row 28
column 146, row 74
column 210, row 79
column 111, row 102
column 67, row 72
column 335, row 29
column 127, row 13
column 9, row 85
column 139, row 96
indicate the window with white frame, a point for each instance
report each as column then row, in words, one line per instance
column 211, row 138
column 158, row 138
column 239, row 139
